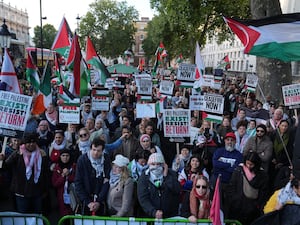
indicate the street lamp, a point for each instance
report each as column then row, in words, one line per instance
column 78, row 19
column 5, row 36
column 41, row 33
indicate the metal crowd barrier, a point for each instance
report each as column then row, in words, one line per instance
column 97, row 220
column 13, row 218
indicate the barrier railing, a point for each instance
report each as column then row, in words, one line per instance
column 13, row 218
column 97, row 220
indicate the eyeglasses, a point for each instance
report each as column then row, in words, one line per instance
column 260, row 131
column 83, row 135
column 201, row 186
column 146, row 141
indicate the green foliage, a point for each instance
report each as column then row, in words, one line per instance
column 110, row 25
column 189, row 21
column 49, row 33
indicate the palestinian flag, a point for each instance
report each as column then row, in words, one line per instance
column 179, row 59
column 76, row 64
column 158, row 57
column 63, row 39
column 212, row 118
column 32, row 75
column 93, row 59
column 144, row 98
column 275, row 37
column 225, row 63
column 44, row 96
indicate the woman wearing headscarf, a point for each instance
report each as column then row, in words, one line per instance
column 196, row 204
column 120, row 195
column 63, row 175
column 57, row 145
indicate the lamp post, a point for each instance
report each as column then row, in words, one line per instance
column 41, row 33
column 5, row 37
column 78, row 19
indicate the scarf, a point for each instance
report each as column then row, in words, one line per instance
column 42, row 135
column 51, row 117
column 156, row 175
column 199, row 204
column 59, row 147
column 84, row 146
column 32, row 160
column 97, row 164
column 250, row 175
column 114, row 179
column 137, row 170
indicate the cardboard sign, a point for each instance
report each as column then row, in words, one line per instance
column 14, row 110
column 186, row 72
column 69, row 114
column 145, row 110
column 213, row 103
column 177, row 122
column 166, row 87
column 252, row 80
column 291, row 94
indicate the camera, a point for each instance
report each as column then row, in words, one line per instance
column 206, row 133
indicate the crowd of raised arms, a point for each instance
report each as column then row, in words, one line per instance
column 121, row 165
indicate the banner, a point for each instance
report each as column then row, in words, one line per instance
column 100, row 100
column 291, row 94
column 213, row 103
column 69, row 114
column 166, row 87
column 186, row 72
column 145, row 110
column 14, row 112
column 177, row 122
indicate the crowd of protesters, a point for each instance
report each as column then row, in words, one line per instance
column 122, row 165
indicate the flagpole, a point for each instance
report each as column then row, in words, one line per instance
column 41, row 33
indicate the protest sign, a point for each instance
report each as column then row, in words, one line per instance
column 145, row 110
column 69, row 114
column 291, row 94
column 177, row 122
column 186, row 72
column 213, row 103
column 145, row 87
column 14, row 113
column 166, row 87
column 252, row 80
column 100, row 100
column 194, row 132
column 196, row 102
column 109, row 83
column 208, row 80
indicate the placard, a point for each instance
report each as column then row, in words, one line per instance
column 252, row 80
column 145, row 110
column 14, row 110
column 100, row 100
column 291, row 94
column 166, row 87
column 177, row 122
column 186, row 72
column 109, row 83
column 69, row 114
column 196, row 102
column 145, row 87
column 213, row 103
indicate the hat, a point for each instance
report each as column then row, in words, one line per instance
column 121, row 161
column 156, row 158
column 145, row 137
column 30, row 138
column 65, row 150
column 230, row 135
column 262, row 126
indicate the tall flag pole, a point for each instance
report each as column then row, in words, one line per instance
column 93, row 59
column 8, row 77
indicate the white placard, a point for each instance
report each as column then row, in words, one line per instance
column 100, row 102
column 196, row 102
column 177, row 122
column 291, row 94
column 145, row 87
column 208, row 80
column 14, row 110
column 145, row 110
column 109, row 83
column 213, row 103
column 69, row 114
column 166, row 87
column 252, row 80
column 186, row 72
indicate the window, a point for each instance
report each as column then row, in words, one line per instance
column 141, row 37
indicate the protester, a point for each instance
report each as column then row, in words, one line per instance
column 241, row 135
column 45, row 135
column 92, row 179
column 158, row 189
column 146, row 144
column 120, row 195
column 57, row 145
column 181, row 160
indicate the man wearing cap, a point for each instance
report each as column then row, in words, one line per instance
column 29, row 167
column 158, row 189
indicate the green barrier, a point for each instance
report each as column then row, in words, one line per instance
column 13, row 218
column 97, row 220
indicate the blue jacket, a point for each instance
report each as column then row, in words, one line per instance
column 224, row 163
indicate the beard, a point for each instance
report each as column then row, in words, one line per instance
column 229, row 148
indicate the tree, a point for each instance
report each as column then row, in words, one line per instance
column 272, row 73
column 49, row 33
column 195, row 20
column 110, row 25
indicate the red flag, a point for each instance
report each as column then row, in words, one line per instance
column 227, row 61
column 216, row 214
column 141, row 64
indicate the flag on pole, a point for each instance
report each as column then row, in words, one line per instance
column 32, row 75
column 211, row 117
column 93, row 59
column 158, row 57
column 76, row 64
column 141, row 64
column 275, row 37
column 200, row 68
column 216, row 214
column 8, row 77
column 63, row 39
column 225, row 63
column 179, row 59
column 44, row 96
